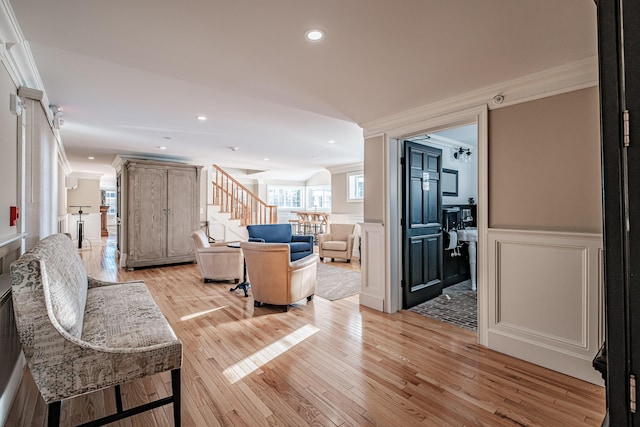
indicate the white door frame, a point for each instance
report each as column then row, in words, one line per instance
column 478, row 115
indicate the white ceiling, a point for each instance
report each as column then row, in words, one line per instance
column 132, row 75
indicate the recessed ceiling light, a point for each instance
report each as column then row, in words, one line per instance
column 201, row 118
column 166, row 137
column 234, row 148
column 331, row 142
column 314, row 35
column 91, row 158
column 266, row 159
column 162, row 147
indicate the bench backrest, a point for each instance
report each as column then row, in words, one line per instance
column 52, row 269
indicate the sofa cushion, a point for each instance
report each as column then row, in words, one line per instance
column 299, row 247
column 131, row 322
column 334, row 246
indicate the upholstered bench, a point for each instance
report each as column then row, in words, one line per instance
column 80, row 334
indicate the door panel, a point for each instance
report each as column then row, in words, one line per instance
column 181, row 204
column 422, row 225
column 148, row 200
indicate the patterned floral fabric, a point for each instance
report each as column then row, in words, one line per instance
column 80, row 334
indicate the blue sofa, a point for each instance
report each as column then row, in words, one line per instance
column 300, row 246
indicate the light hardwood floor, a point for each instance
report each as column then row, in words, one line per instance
column 323, row 363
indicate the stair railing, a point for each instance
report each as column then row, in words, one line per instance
column 235, row 199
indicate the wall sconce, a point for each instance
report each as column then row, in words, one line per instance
column 462, row 155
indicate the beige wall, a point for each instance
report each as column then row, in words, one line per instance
column 544, row 164
column 339, row 204
column 374, row 179
column 86, row 194
column 9, row 158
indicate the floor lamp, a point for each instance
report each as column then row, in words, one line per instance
column 80, row 224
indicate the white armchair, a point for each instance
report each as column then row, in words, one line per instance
column 275, row 279
column 217, row 261
column 337, row 243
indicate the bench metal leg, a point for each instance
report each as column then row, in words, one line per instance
column 53, row 410
column 175, row 389
column 118, row 399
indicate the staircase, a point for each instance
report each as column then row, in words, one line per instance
column 238, row 207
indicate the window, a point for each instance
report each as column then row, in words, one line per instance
column 355, row 187
column 110, row 200
column 319, row 197
column 285, row 196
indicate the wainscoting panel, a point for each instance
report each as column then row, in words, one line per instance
column 372, row 266
column 545, row 297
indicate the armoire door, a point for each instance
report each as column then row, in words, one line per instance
column 181, row 211
column 147, row 213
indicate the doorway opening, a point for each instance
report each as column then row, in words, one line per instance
column 456, row 302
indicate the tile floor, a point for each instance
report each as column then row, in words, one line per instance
column 457, row 305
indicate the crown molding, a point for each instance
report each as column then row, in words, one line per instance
column 351, row 167
column 17, row 58
column 554, row 81
column 15, row 51
column 86, row 175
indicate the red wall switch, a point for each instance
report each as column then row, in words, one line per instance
column 14, row 214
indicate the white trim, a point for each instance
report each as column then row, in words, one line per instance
column 478, row 115
column 577, row 332
column 4, row 241
column 86, row 175
column 565, row 78
column 351, row 167
column 372, row 293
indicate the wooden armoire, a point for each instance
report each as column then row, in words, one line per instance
column 158, row 209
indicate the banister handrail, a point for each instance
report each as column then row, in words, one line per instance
column 240, row 202
column 236, row 182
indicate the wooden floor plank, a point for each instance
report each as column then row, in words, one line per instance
column 331, row 363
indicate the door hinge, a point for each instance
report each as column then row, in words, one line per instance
column 632, row 393
column 625, row 128
column 402, row 283
column 401, row 222
column 402, row 161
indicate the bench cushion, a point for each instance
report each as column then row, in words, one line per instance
column 131, row 322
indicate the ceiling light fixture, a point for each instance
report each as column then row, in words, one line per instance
column 234, row 148
column 91, row 158
column 331, row 142
column 266, row 159
column 201, row 118
column 162, row 147
column 314, row 35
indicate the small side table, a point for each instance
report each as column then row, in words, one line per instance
column 244, row 285
column 103, row 229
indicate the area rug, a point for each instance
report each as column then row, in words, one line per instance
column 336, row 282
column 457, row 305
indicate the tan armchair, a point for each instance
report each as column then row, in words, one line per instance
column 217, row 261
column 275, row 279
column 337, row 243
